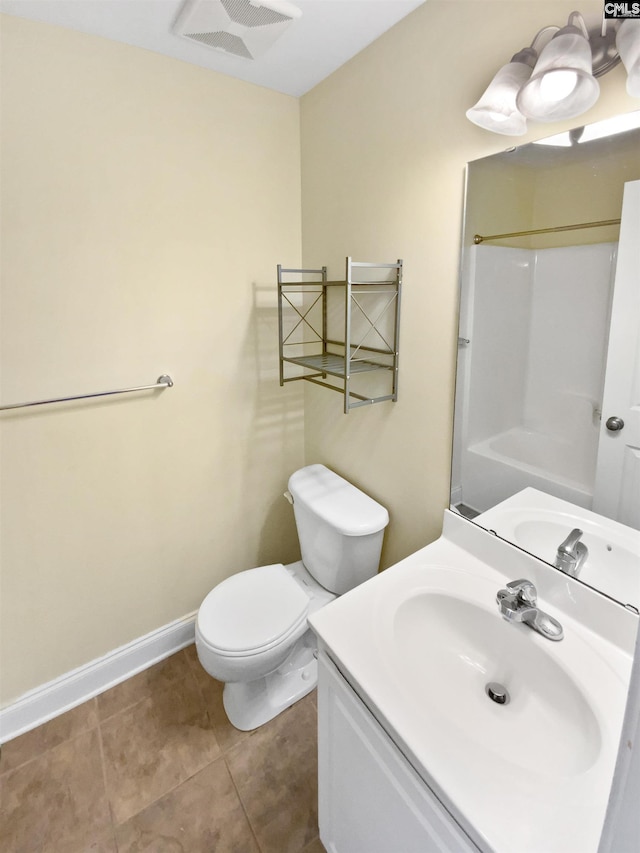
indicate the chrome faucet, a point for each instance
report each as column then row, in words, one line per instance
column 518, row 604
column 571, row 554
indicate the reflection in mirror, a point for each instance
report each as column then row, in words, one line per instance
column 547, row 418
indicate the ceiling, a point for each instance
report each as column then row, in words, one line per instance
column 327, row 35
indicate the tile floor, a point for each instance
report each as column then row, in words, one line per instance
column 154, row 765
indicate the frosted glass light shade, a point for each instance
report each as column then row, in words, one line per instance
column 562, row 85
column 628, row 44
column 496, row 110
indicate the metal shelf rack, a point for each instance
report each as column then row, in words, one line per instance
column 342, row 330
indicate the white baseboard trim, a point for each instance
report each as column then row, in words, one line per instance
column 77, row 686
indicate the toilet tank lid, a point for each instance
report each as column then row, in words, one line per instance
column 337, row 502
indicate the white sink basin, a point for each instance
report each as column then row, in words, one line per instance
column 539, row 522
column 547, row 727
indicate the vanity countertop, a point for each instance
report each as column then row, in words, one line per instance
column 419, row 642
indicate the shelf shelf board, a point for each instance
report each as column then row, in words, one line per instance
column 342, row 283
column 334, row 364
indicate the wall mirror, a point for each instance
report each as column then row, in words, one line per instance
column 549, row 352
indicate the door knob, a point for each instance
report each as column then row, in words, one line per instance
column 614, row 424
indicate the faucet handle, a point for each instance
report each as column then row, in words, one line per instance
column 571, row 544
column 524, row 590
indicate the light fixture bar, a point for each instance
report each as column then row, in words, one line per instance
column 604, row 52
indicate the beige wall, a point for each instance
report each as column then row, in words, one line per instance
column 145, row 206
column 583, row 192
column 384, row 144
column 500, row 197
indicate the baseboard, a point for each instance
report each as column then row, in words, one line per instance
column 75, row 687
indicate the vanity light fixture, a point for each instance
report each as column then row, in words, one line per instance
column 628, row 44
column 598, row 130
column 559, row 81
column 562, row 84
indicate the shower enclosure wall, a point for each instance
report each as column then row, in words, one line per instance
column 532, row 353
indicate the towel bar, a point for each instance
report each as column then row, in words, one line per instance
column 163, row 381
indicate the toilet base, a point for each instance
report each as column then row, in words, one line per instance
column 250, row 704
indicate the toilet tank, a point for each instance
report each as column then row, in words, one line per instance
column 339, row 527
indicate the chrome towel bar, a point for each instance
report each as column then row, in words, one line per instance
column 164, row 381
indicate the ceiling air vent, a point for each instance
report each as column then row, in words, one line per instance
column 245, row 28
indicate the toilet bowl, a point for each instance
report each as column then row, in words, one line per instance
column 251, row 629
column 252, row 633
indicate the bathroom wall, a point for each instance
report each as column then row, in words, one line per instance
column 384, row 144
column 500, row 198
column 578, row 192
column 145, row 205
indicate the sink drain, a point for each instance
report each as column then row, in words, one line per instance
column 497, row 692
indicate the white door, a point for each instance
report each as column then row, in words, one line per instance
column 617, row 484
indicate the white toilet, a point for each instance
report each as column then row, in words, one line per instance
column 252, row 631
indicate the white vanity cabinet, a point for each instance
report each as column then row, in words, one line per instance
column 370, row 798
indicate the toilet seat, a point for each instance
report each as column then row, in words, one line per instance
column 252, row 611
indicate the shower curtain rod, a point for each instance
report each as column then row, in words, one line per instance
column 478, row 238
column 163, row 381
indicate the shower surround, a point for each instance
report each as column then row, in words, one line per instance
column 532, row 373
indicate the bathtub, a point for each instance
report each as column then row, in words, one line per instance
column 498, row 467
